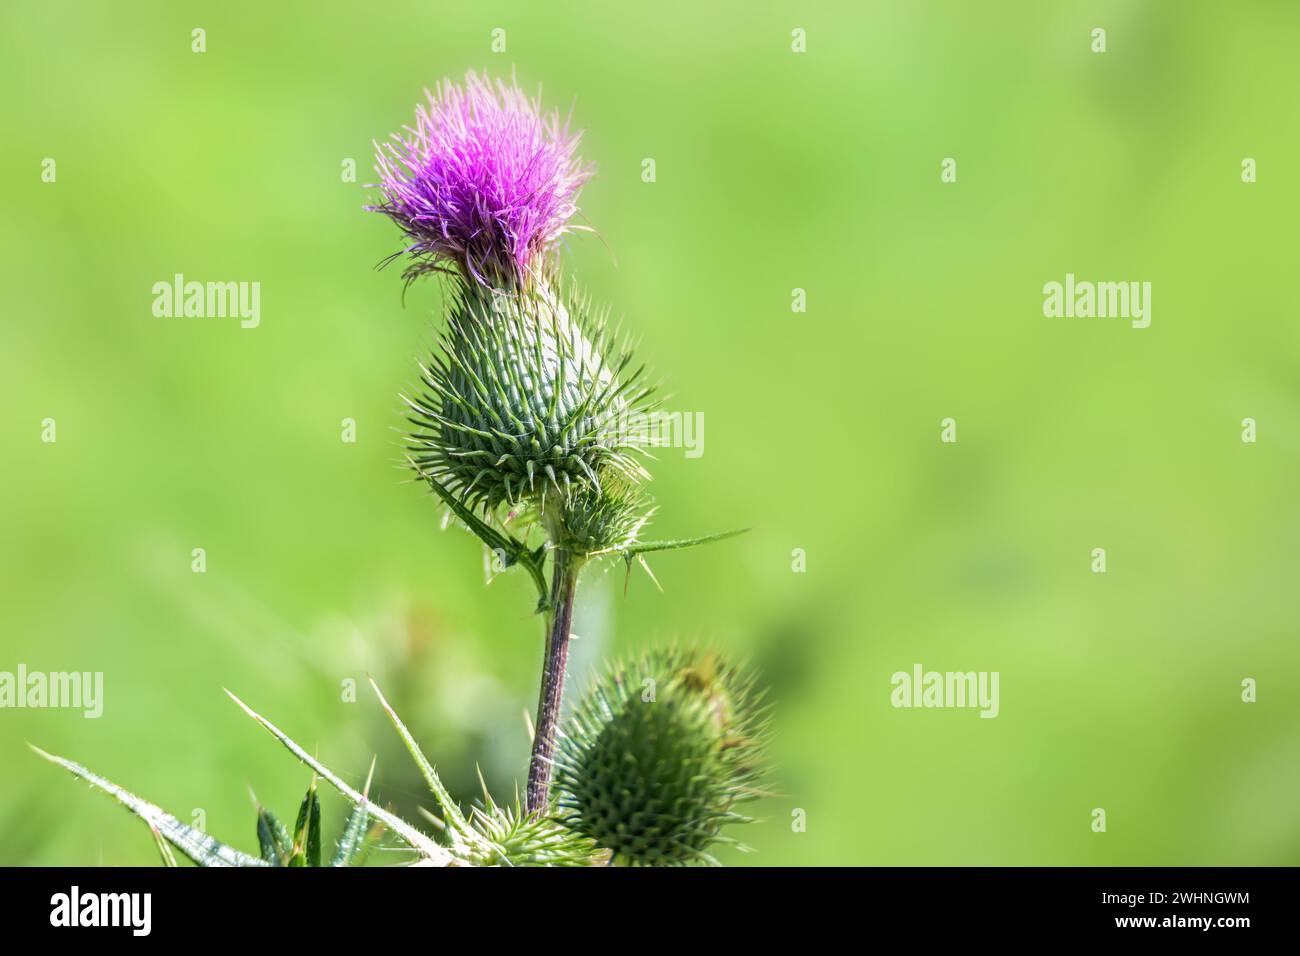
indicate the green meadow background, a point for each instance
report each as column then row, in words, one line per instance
column 775, row 171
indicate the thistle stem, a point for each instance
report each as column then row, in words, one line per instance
column 564, row 585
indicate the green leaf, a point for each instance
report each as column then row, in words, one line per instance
column 511, row 548
column 637, row 552
column 434, row 854
column 198, row 846
column 354, row 835
column 354, row 831
column 273, row 838
column 306, row 832
column 446, row 805
column 646, row 547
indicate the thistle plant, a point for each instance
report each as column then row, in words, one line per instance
column 520, row 428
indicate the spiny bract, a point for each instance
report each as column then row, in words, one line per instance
column 658, row 754
column 523, row 396
column 505, row 836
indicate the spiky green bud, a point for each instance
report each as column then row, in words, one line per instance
column 529, row 392
column 597, row 520
column 658, row 755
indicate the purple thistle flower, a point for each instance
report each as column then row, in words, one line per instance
column 485, row 179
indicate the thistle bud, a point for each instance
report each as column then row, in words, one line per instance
column 523, row 398
column 658, row 755
column 601, row 519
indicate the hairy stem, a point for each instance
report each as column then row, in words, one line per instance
column 564, row 584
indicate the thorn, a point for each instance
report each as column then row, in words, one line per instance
column 642, row 561
column 383, row 701
column 38, row 750
column 528, row 724
column 248, row 710
column 365, row 791
column 432, row 818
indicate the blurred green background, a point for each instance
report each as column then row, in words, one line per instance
column 775, row 171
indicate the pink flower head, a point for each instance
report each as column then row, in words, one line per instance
column 485, row 180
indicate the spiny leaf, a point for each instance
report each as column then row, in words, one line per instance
column 513, row 550
column 646, row 547
column 486, row 533
column 434, row 854
column 354, row 835
column 354, row 831
column 273, row 838
column 446, row 805
column 368, row 842
column 198, row 846
column 306, row 832
column 637, row 552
